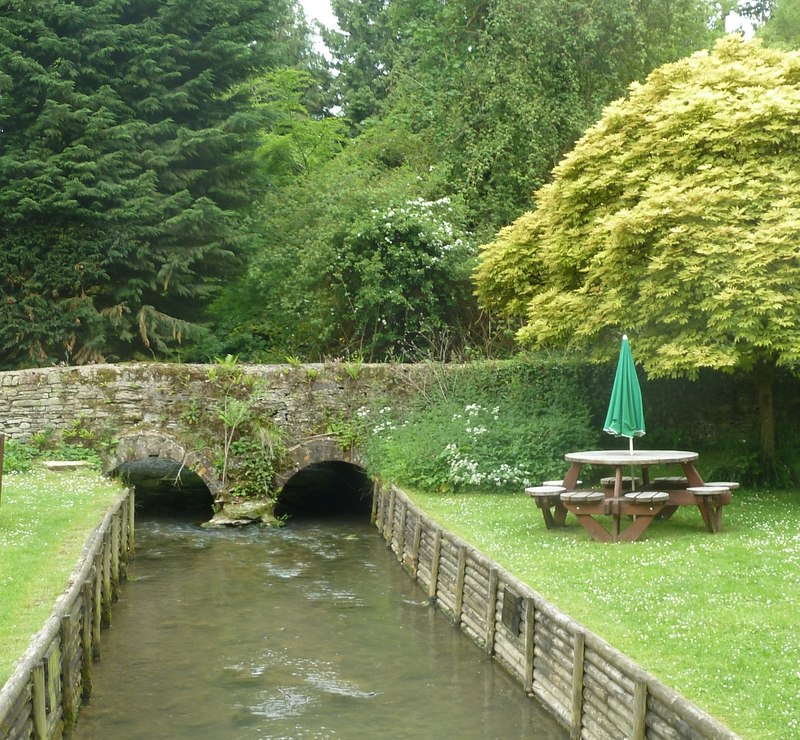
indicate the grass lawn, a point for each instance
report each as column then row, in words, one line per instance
column 714, row 616
column 45, row 520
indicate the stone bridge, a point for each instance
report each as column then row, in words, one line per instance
column 245, row 430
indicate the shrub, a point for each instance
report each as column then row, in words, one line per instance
column 489, row 431
column 18, row 457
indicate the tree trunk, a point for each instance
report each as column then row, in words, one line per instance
column 764, row 374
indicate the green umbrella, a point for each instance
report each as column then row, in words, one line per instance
column 625, row 416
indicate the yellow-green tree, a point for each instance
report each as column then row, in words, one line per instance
column 675, row 218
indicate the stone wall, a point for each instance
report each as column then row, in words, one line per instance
column 132, row 411
column 157, row 396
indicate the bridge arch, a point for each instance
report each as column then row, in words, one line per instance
column 319, row 449
column 142, row 445
column 323, row 480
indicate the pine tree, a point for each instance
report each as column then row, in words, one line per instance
column 126, row 142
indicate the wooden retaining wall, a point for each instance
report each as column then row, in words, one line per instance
column 42, row 698
column 595, row 691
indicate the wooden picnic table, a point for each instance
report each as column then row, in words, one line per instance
column 643, row 503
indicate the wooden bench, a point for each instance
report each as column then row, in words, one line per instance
column 710, row 499
column 629, row 483
column 547, row 497
column 670, row 482
column 582, row 497
column 642, row 506
column 647, row 497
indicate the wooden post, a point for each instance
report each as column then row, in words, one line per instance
column 97, row 604
column 69, row 699
column 530, row 629
column 373, row 516
column 132, row 524
column 416, row 545
column 39, row 701
column 52, row 672
column 577, row 684
column 86, row 641
column 388, row 522
column 491, row 610
column 639, row 711
column 106, row 569
column 401, row 534
column 460, row 575
column 116, row 526
column 437, row 553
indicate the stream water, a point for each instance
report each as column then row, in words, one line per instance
column 310, row 631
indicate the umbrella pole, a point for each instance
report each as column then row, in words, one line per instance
column 633, row 479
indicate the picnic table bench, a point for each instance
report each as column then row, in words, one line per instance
column 631, row 497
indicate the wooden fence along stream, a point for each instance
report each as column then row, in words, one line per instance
column 592, row 688
column 42, row 698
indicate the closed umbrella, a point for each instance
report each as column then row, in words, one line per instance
column 625, row 416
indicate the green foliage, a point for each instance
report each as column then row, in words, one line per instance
column 782, row 30
column 349, row 429
column 502, row 89
column 673, row 219
column 501, row 427
column 362, row 53
column 293, row 142
column 252, row 447
column 398, row 272
column 18, row 456
column 465, row 101
column 354, row 262
column 126, row 155
column 255, row 460
column 21, row 457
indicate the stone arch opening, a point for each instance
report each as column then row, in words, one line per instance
column 167, row 478
column 332, row 488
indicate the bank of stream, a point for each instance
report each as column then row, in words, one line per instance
column 309, row 631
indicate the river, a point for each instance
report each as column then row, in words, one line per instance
column 309, row 631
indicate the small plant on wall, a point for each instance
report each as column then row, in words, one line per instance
column 251, row 446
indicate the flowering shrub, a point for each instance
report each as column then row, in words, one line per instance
column 453, row 446
column 400, row 271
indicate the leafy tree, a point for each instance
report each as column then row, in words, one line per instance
column 293, row 142
column 126, row 151
column 357, row 257
column 675, row 218
column 397, row 275
column 362, row 56
column 503, row 88
column 782, row 30
column 469, row 100
column 759, row 11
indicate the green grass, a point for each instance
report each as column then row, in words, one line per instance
column 714, row 616
column 45, row 520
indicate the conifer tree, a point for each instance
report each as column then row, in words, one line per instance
column 125, row 151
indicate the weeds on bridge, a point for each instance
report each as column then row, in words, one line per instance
column 252, row 447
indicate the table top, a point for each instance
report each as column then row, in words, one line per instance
column 626, row 457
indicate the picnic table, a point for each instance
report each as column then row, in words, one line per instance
column 628, row 496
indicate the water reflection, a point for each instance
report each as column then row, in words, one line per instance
column 311, row 631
